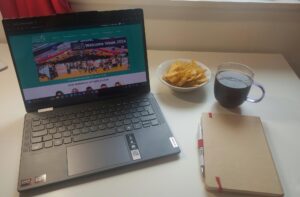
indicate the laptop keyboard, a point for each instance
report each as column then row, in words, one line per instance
column 56, row 129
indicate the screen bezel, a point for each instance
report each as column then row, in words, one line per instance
column 61, row 22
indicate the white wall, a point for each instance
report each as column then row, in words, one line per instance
column 214, row 26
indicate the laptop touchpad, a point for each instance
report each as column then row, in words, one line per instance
column 97, row 155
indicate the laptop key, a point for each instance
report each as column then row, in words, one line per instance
column 128, row 127
column 79, row 115
column 49, row 126
column 92, row 118
column 93, row 128
column 137, row 114
column 87, row 113
column 76, row 132
column 68, row 140
column 58, row 142
column 146, row 124
column 36, row 140
column 120, row 129
column 39, row 133
column 75, row 121
column 63, row 118
column 66, row 133
column 85, row 119
column 119, row 123
column 105, row 120
column 67, row 122
column 110, row 125
column 43, row 117
column 132, row 110
column 57, row 135
column 144, row 103
column 58, row 124
column 38, row 128
column 149, row 110
column 127, row 121
column 96, row 122
column 139, row 109
column 129, row 116
column 45, row 121
column 145, row 99
column 53, row 120
column 135, row 120
column 71, row 127
column 92, row 135
column 88, row 124
column 137, row 126
column 79, row 126
column 71, row 116
column 124, row 111
column 36, row 146
column 47, row 138
column 121, row 117
column 84, row 130
column 61, row 129
column 107, row 132
column 113, row 119
column 102, row 126
column 36, row 123
column 144, row 113
column 36, row 118
column 147, row 118
column 48, row 144
column 52, row 131
column 154, row 122
column 49, row 116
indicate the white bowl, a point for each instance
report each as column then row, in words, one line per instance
column 163, row 68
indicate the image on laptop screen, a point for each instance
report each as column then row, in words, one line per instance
column 70, row 63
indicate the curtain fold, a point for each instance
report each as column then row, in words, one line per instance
column 29, row 8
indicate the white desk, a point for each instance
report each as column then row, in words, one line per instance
column 279, row 111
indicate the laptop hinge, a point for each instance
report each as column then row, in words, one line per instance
column 45, row 109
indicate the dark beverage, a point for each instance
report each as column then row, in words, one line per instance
column 232, row 88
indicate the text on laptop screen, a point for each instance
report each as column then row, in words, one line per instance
column 77, row 62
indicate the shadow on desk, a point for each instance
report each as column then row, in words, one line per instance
column 216, row 107
column 99, row 176
column 194, row 98
column 197, row 96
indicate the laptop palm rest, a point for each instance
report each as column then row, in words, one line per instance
column 97, row 155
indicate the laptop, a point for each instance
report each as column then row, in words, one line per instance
column 85, row 84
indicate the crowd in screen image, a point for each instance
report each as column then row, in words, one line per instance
column 75, row 59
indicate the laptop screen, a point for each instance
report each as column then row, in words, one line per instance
column 68, row 62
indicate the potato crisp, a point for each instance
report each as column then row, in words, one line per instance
column 185, row 74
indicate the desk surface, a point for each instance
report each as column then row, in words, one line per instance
column 279, row 111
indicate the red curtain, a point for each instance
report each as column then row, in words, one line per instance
column 29, row 8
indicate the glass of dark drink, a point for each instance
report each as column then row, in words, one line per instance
column 233, row 82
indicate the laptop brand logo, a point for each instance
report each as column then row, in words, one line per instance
column 173, row 142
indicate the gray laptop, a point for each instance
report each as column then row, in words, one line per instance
column 85, row 85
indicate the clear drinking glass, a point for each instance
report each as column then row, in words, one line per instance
column 233, row 82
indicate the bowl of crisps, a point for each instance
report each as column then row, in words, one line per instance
column 183, row 75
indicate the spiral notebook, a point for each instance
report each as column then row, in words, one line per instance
column 237, row 156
